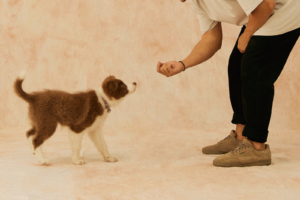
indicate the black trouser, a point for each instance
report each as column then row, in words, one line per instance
column 252, row 75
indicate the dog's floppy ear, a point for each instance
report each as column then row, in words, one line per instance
column 110, row 85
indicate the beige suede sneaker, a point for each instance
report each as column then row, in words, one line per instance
column 224, row 146
column 243, row 155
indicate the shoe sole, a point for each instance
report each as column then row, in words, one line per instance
column 259, row 163
column 214, row 153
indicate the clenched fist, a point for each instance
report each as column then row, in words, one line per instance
column 170, row 68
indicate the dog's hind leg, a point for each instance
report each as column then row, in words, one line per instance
column 76, row 141
column 30, row 135
column 40, row 156
column 98, row 139
column 43, row 132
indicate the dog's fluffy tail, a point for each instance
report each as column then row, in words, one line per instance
column 19, row 90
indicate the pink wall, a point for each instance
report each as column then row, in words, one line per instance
column 74, row 44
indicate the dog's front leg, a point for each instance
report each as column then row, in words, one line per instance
column 76, row 141
column 98, row 140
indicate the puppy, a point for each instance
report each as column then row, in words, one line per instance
column 80, row 112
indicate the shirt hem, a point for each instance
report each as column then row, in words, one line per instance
column 267, row 33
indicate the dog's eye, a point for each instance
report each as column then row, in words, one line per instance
column 123, row 85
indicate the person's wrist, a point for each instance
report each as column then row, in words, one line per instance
column 183, row 65
column 248, row 32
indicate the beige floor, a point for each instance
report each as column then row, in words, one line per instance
column 160, row 165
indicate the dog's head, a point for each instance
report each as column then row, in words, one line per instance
column 115, row 89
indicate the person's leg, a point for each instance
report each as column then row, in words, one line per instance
column 235, row 88
column 262, row 63
column 239, row 131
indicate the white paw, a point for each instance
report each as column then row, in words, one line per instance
column 110, row 159
column 44, row 161
column 78, row 161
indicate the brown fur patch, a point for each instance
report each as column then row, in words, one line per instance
column 47, row 108
column 114, row 88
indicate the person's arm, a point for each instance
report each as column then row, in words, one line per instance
column 209, row 44
column 257, row 19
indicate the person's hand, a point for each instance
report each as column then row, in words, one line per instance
column 243, row 42
column 169, row 68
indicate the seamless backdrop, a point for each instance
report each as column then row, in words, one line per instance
column 158, row 132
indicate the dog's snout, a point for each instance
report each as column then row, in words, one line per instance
column 134, row 83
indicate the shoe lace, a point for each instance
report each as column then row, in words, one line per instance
column 228, row 137
column 240, row 147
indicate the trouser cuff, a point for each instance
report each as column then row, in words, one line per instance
column 255, row 135
column 238, row 119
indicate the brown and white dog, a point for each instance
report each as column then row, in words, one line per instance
column 80, row 112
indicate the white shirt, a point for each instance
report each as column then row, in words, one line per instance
column 285, row 17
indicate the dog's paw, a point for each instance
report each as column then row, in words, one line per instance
column 44, row 161
column 78, row 161
column 110, row 159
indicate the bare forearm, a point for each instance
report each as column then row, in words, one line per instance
column 203, row 51
column 259, row 16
